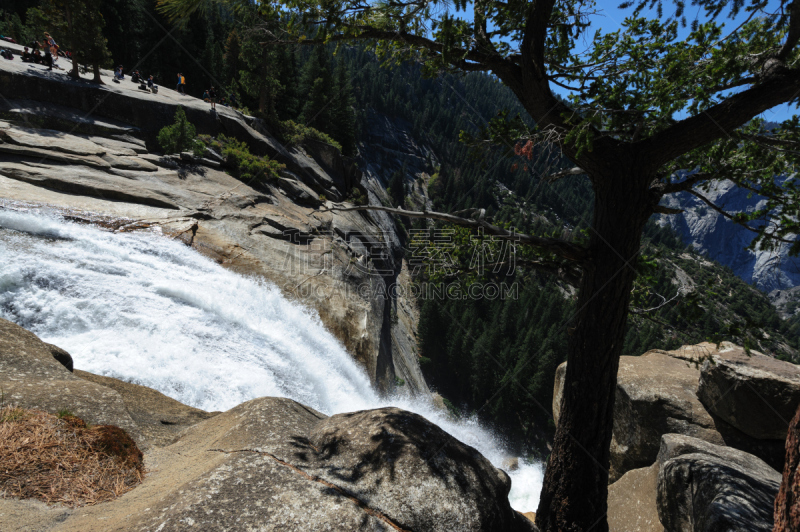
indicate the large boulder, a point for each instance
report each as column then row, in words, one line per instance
column 755, row 393
column 274, row 464
column 787, row 503
column 402, row 465
column 656, row 395
column 704, row 487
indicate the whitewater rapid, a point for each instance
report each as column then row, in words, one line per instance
column 149, row 310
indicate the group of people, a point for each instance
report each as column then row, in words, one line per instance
column 145, row 84
column 50, row 56
column 211, row 96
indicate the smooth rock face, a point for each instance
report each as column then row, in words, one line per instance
column 787, row 503
column 632, row 502
column 404, row 466
column 708, row 488
column 755, row 393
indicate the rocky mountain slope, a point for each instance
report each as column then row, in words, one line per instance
column 723, row 241
column 89, row 152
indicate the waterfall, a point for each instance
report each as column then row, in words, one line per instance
column 149, row 310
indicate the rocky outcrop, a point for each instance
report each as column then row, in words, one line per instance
column 755, row 393
column 96, row 167
column 727, row 243
column 709, row 488
column 267, row 464
column 657, row 395
column 361, row 451
column 787, row 503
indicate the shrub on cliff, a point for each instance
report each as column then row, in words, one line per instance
column 243, row 164
column 296, row 133
column 61, row 459
column 180, row 136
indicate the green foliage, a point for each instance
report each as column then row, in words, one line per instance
column 245, row 166
column 63, row 412
column 180, row 136
column 296, row 133
column 357, row 197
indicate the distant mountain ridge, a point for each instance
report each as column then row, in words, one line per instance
column 716, row 237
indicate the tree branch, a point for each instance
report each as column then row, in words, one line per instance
column 793, row 35
column 730, row 217
column 686, row 184
column 780, row 84
column 560, row 248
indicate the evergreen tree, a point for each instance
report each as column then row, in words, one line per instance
column 343, row 119
column 231, row 60
column 397, row 189
column 81, row 24
column 257, row 74
column 315, row 82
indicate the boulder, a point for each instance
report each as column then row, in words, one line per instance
column 405, row 467
column 656, row 395
column 632, row 502
column 63, row 358
column 787, row 503
column 704, row 487
column 274, row 464
column 755, row 393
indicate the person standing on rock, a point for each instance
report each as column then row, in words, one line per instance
column 50, row 44
column 181, row 88
column 212, row 95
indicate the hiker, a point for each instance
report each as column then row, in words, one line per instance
column 37, row 57
column 206, row 97
column 48, row 59
column 27, row 57
column 181, row 88
column 118, row 75
column 212, row 94
column 136, row 77
column 151, row 84
column 51, row 45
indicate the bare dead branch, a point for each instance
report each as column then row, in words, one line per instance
column 561, row 248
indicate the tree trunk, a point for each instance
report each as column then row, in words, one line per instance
column 96, row 69
column 574, row 495
column 74, row 73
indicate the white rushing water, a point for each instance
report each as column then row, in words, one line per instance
column 149, row 310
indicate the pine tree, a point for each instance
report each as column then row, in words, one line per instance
column 231, row 63
column 343, row 120
column 397, row 190
column 315, row 82
column 81, row 24
column 257, row 74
